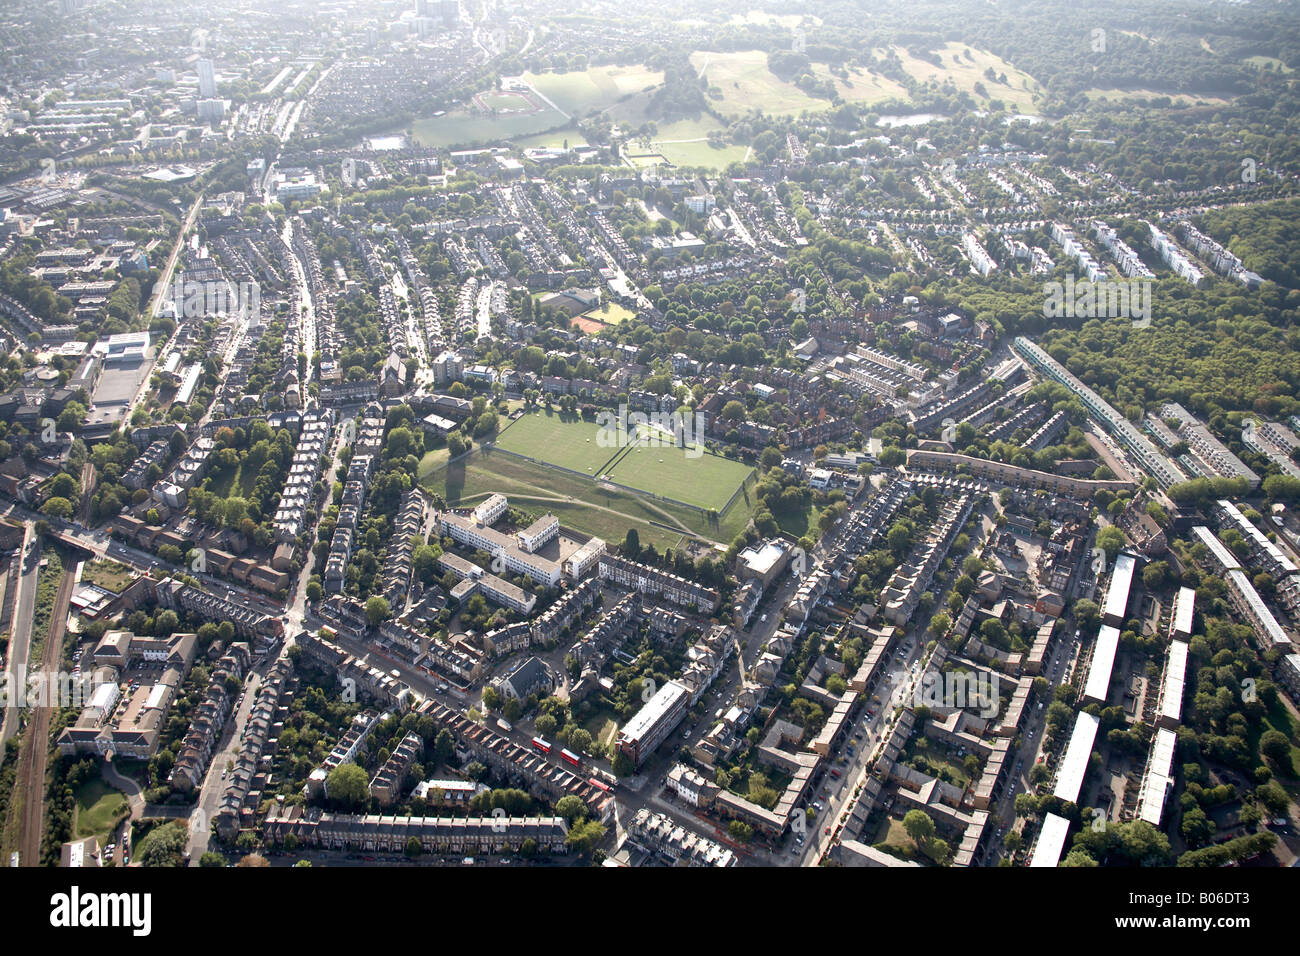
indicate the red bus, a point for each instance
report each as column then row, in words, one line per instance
column 568, row 756
column 541, row 745
column 600, row 785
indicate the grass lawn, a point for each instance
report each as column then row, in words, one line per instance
column 701, row 154
column 507, row 100
column 565, row 441
column 98, row 808
column 1178, row 99
column 746, row 83
column 231, row 482
column 707, row 481
column 597, row 88
column 554, row 139
column 966, row 71
column 1280, row 719
column 581, row 503
column 602, row 727
column 799, row 523
column 891, row 832
column 109, row 575
column 1268, row 63
column 595, row 508
column 462, row 127
column 431, row 462
column 610, row 313
column 862, row 86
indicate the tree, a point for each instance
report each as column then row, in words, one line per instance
column 580, row 740
column 212, row 859
column 163, row 846
column 622, row 765
column 63, row 485
column 57, row 508
column 1155, row 575
column 1197, row 828
column 919, row 827
column 528, row 849
column 1274, row 745
column 348, row 787
column 585, row 837
column 377, row 610
column 444, row 745
column 632, row 543
column 1110, row 539
column 1086, row 612
column 413, row 848
column 252, row 860
column 1078, row 858
column 571, row 808
column 740, row 831
column 1275, row 799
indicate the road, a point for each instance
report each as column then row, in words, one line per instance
column 910, row 664
column 214, row 781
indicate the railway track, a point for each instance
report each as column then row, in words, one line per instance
column 33, row 759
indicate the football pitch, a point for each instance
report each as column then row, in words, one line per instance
column 699, row 479
column 705, row 481
column 567, row 441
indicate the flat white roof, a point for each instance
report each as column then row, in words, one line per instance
column 1171, row 691
column 654, row 711
column 1051, row 841
column 1159, row 775
column 1264, row 619
column 1248, row 529
column 760, row 560
column 1103, row 661
column 1121, row 581
column 1184, row 608
column 1226, row 559
column 1069, row 778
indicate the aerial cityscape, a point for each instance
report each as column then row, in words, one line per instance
column 499, row 433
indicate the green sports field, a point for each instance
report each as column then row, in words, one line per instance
column 567, row 441
column 597, row 88
column 706, row 481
